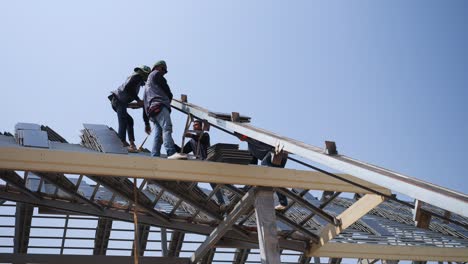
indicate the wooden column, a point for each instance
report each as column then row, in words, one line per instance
column 266, row 226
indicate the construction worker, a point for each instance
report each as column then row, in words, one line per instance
column 264, row 152
column 157, row 105
column 198, row 145
column 199, row 141
column 120, row 100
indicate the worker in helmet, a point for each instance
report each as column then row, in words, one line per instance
column 120, row 99
column 157, row 105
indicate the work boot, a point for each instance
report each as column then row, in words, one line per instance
column 280, row 207
column 178, row 156
column 132, row 148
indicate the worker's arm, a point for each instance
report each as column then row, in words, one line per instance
column 147, row 124
column 205, row 139
column 131, row 87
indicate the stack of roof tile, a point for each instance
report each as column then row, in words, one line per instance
column 52, row 135
column 101, row 138
column 228, row 153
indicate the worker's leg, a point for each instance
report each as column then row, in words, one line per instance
column 157, row 140
column 122, row 116
column 283, row 200
column 254, row 160
column 218, row 194
column 188, row 147
column 130, row 131
column 163, row 118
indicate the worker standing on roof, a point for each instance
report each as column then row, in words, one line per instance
column 198, row 144
column 120, row 100
column 264, row 152
column 157, row 105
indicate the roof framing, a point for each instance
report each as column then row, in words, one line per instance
column 100, row 164
column 196, row 212
column 433, row 194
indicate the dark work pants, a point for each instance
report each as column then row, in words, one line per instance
column 283, row 200
column 125, row 120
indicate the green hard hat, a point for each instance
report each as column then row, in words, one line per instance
column 160, row 63
column 143, row 69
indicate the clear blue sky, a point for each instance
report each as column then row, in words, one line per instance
column 386, row 80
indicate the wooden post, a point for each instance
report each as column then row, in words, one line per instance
column 164, row 242
column 330, row 148
column 235, row 117
column 421, row 218
column 266, row 226
column 183, row 98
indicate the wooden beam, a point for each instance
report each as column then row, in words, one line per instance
column 329, row 218
column 241, row 256
column 334, row 260
column 177, row 238
column 23, row 218
column 297, row 227
column 240, row 209
column 235, row 239
column 101, row 237
column 208, row 258
column 15, row 180
column 347, row 218
column 101, row 164
column 284, row 244
column 303, row 259
column 388, row 252
column 435, row 195
column 367, row 261
column 190, row 197
column 266, row 226
column 123, row 187
column 422, row 219
column 164, row 250
column 64, row 184
column 143, row 233
column 91, row 259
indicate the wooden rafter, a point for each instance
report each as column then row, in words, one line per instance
column 347, row 218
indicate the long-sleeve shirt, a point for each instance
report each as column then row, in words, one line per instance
column 199, row 143
column 258, row 149
column 157, row 93
column 129, row 90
